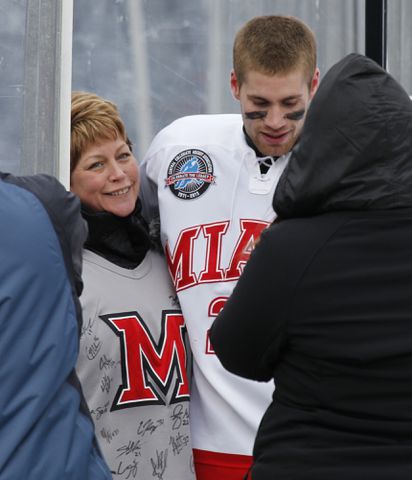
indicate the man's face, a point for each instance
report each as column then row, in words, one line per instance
column 274, row 107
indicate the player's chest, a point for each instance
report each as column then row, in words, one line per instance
column 196, row 188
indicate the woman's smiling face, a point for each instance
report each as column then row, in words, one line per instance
column 106, row 178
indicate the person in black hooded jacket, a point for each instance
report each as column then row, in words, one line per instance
column 324, row 305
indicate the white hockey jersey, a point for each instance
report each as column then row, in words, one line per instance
column 213, row 203
column 132, row 367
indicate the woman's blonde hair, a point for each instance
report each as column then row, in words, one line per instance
column 93, row 119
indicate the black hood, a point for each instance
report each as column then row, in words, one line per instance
column 355, row 150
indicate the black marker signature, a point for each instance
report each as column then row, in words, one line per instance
column 87, row 328
column 131, row 447
column 106, row 383
column 159, row 464
column 149, row 426
column 99, row 411
column 130, row 470
column 94, row 348
column 108, row 435
column 179, row 417
column 178, row 443
column 106, row 363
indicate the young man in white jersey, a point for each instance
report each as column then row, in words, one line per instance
column 211, row 178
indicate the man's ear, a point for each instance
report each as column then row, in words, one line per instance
column 234, row 85
column 314, row 84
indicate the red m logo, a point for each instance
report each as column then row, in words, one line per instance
column 150, row 368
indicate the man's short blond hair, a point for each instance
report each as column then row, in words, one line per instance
column 93, row 119
column 274, row 44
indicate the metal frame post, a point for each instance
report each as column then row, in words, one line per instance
column 376, row 31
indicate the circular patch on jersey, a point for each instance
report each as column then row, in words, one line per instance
column 190, row 174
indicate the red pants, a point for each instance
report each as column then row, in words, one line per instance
column 221, row 466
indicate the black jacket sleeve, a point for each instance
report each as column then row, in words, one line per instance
column 251, row 326
column 251, row 331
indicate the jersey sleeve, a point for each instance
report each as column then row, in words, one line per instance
column 148, row 189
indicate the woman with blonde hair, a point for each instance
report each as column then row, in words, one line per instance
column 133, row 355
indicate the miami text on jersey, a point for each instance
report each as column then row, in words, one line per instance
column 180, row 262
